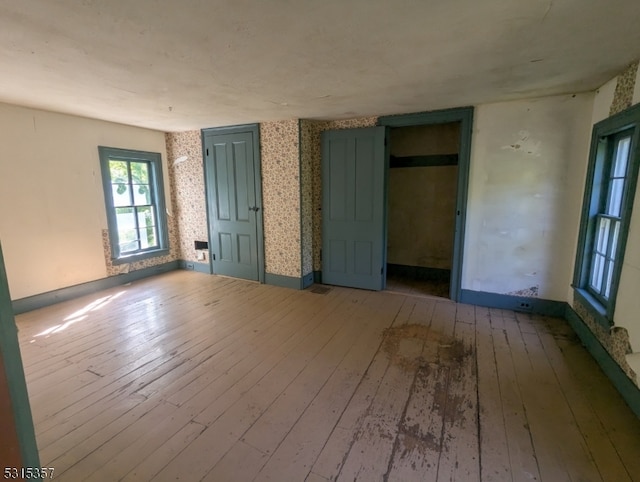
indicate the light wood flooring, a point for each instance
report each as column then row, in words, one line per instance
column 187, row 376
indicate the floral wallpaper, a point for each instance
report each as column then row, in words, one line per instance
column 614, row 340
column 310, row 131
column 623, row 96
column 280, row 156
column 186, row 178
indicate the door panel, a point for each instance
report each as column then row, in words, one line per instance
column 232, row 203
column 353, row 206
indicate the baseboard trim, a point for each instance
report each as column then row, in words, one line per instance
column 317, row 276
column 35, row 302
column 516, row 303
column 195, row 266
column 629, row 390
column 284, row 281
column 307, row 280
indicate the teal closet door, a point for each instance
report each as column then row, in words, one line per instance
column 353, row 207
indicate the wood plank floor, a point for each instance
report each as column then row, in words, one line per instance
column 187, row 376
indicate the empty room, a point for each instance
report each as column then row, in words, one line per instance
column 319, row 241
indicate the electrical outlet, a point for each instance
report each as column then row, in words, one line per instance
column 524, row 306
column 201, row 256
column 190, row 266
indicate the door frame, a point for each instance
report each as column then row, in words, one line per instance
column 15, row 379
column 254, row 130
column 463, row 115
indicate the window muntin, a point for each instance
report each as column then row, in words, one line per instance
column 135, row 203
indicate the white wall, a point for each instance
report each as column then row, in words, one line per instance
column 528, row 164
column 51, row 202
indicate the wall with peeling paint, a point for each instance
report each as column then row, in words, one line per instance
column 52, row 210
column 525, row 192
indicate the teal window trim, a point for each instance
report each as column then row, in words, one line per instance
column 153, row 161
column 598, row 184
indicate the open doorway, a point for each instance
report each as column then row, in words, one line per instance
column 422, row 194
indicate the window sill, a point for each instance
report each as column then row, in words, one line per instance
column 594, row 307
column 132, row 258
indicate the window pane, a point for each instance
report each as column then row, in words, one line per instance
column 607, row 286
column 602, row 234
column 121, row 194
column 118, row 171
column 129, row 246
column 622, row 156
column 614, row 203
column 148, row 238
column 141, row 194
column 126, row 220
column 614, row 240
column 139, row 173
column 598, row 272
column 145, row 216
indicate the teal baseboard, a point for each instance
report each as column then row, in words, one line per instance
column 317, row 276
column 284, row 281
column 307, row 280
column 515, row 303
column 195, row 266
column 34, row 302
column 629, row 390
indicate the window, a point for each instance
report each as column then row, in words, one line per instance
column 134, row 197
column 611, row 185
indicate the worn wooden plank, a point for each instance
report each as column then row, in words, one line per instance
column 559, row 446
column 522, row 457
column 459, row 459
column 335, row 450
column 494, row 452
column 296, row 453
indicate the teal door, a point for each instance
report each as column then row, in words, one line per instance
column 235, row 219
column 353, row 208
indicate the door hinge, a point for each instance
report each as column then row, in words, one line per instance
column 207, row 152
column 213, row 256
column 382, row 270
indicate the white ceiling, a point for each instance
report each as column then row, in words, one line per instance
column 175, row 65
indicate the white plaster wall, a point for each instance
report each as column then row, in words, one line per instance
column 52, row 208
column 528, row 163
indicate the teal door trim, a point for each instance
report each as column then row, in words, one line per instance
column 463, row 115
column 254, row 130
column 12, row 360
